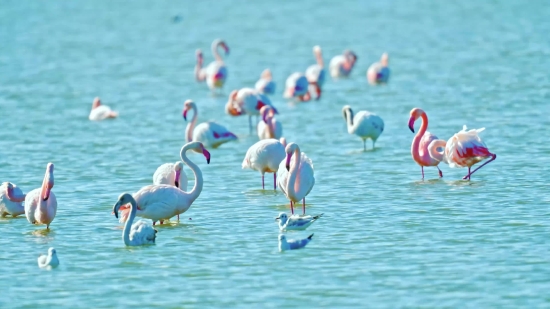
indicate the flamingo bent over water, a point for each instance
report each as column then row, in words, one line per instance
column 210, row 134
column 421, row 141
column 265, row 84
column 341, row 65
column 41, row 204
column 379, row 72
column 265, row 157
column 297, row 86
column 295, row 177
column 364, row 124
column 215, row 73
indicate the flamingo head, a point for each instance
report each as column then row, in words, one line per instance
column 225, row 47
column 96, row 103
column 384, row 59
column 317, row 50
column 178, row 166
column 48, row 182
column 415, row 114
column 52, row 252
column 123, row 199
column 283, row 217
column 351, row 56
column 199, row 148
column 290, row 149
column 347, row 112
column 188, row 105
column 266, row 74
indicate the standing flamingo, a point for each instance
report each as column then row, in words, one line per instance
column 296, row 177
column 101, row 112
column 162, row 202
column 464, row 149
column 379, row 72
column 297, row 86
column 315, row 73
column 341, row 65
column 265, row 156
column 269, row 127
column 41, row 204
column 265, row 84
column 11, row 200
column 247, row 101
column 364, row 124
column 215, row 73
column 210, row 133
column 136, row 234
column 421, row 141
column 171, row 174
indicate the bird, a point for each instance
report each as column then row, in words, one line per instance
column 315, row 73
column 101, row 112
column 297, row 86
column 292, row 244
column 162, row 202
column 269, row 127
column 265, row 157
column 421, row 141
column 215, row 73
column 40, row 203
column 379, row 72
column 363, row 124
column 464, row 149
column 295, row 222
column 48, row 261
column 171, row 174
column 295, row 177
column 341, row 65
column 265, row 84
column 136, row 234
column 11, row 200
column 247, row 101
column 210, row 134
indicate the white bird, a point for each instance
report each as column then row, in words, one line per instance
column 265, row 84
column 171, row 174
column 269, row 127
column 265, row 156
column 247, row 101
column 162, row 202
column 341, row 65
column 315, row 73
column 11, row 200
column 215, row 73
column 40, row 203
column 292, row 244
column 48, row 261
column 136, row 234
column 295, row 222
column 295, row 177
column 379, row 72
column 363, row 124
column 210, row 134
column 297, row 86
column 101, row 112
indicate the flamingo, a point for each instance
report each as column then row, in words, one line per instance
column 269, row 127
column 215, row 73
column 101, row 112
column 161, row 202
column 341, row 65
column 48, row 261
column 465, row 148
column 171, row 174
column 296, row 177
column 379, row 72
column 265, row 156
column 11, row 200
column 421, row 141
column 210, row 133
column 315, row 73
column 247, row 101
column 297, row 86
column 265, row 84
column 136, row 234
column 40, row 203
column 364, row 124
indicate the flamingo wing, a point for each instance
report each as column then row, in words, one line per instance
column 306, row 179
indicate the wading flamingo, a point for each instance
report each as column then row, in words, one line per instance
column 269, row 127
column 171, row 174
column 364, row 124
column 295, row 177
column 11, row 200
column 162, row 202
column 341, row 65
column 41, row 204
column 265, row 157
column 464, row 149
column 210, row 133
column 379, row 72
column 297, row 86
column 215, row 73
column 315, row 74
column 50, row 260
column 247, row 101
column 421, row 141
column 101, row 112
column 265, row 84
column 136, row 234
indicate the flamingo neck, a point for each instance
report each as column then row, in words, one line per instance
column 319, row 58
column 416, row 141
column 294, row 166
column 270, row 127
column 349, row 121
column 197, row 187
column 129, row 222
column 215, row 51
column 44, row 191
column 198, row 68
column 191, row 126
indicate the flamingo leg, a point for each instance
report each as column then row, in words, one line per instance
column 493, row 157
column 291, row 207
column 178, row 218
column 422, row 167
column 274, row 181
column 440, row 172
column 263, row 187
column 304, row 206
column 373, row 141
column 317, row 90
column 364, row 145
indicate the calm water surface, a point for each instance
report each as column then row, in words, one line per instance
column 387, row 240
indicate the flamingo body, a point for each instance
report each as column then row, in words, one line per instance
column 11, row 203
column 315, row 73
column 363, row 124
column 166, row 174
column 101, row 112
column 379, row 72
column 341, row 65
column 295, row 177
column 265, row 84
column 265, row 156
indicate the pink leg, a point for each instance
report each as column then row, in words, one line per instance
column 440, row 172
column 304, row 206
column 292, row 207
column 493, row 157
column 422, row 167
column 263, row 187
column 274, row 181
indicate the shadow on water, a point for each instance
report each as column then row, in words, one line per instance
column 261, row 192
column 362, row 151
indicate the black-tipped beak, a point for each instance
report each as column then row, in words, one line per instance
column 115, row 210
column 288, row 167
column 177, row 183
column 411, row 128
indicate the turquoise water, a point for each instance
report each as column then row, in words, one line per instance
column 387, row 239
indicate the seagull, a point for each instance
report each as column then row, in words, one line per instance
column 48, row 261
column 295, row 222
column 292, row 244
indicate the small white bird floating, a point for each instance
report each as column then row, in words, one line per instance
column 101, row 112
column 11, row 200
column 48, row 261
column 363, row 124
column 265, row 84
column 295, row 222
column 292, row 244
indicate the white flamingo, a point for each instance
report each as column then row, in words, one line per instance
column 162, row 202
column 295, row 178
column 341, row 65
column 171, row 174
column 11, row 200
column 247, row 101
column 101, row 112
column 215, row 73
column 364, row 124
column 40, row 203
column 269, row 127
column 136, row 234
column 315, row 73
column 265, row 156
column 297, row 86
column 265, row 84
column 210, row 134
column 379, row 72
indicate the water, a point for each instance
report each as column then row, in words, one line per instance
column 387, row 240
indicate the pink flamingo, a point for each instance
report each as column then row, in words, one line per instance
column 101, row 112
column 421, row 141
column 247, row 101
column 265, row 157
column 41, row 204
column 464, row 149
column 215, row 73
column 315, row 73
column 297, row 86
column 379, row 72
column 269, row 127
column 210, row 133
column 341, row 65
column 265, row 84
column 296, row 177
column 11, row 200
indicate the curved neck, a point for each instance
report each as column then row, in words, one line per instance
column 215, row 51
column 416, row 141
column 294, row 166
column 191, row 126
column 197, row 188
column 270, row 126
column 128, row 224
column 349, row 120
column 432, row 149
column 43, row 191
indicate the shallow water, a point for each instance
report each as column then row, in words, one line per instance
column 387, row 239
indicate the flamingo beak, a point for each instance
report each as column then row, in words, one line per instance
column 206, row 155
column 185, row 114
column 288, row 162
column 226, row 48
column 115, row 209
column 411, row 124
column 177, row 178
column 275, row 110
